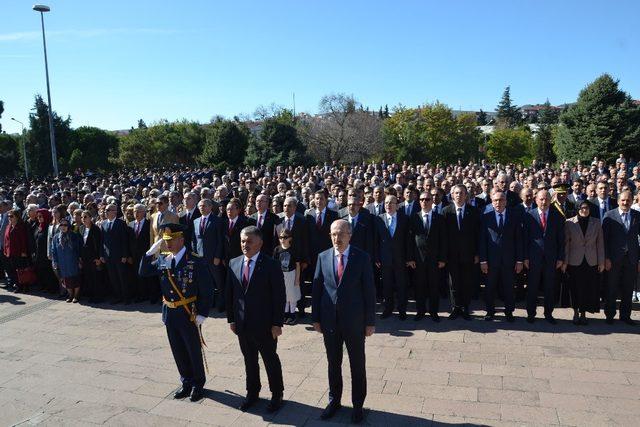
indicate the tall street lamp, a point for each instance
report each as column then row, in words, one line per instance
column 24, row 148
column 54, row 157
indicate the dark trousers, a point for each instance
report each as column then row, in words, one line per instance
column 462, row 274
column 500, row 279
column 544, row 272
column 252, row 343
column 217, row 273
column 117, row 272
column 426, row 282
column 621, row 278
column 333, row 343
column 394, row 281
column 46, row 277
column 92, row 284
column 185, row 346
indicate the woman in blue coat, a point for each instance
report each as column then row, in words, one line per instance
column 65, row 254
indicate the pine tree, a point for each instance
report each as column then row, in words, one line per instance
column 508, row 113
column 481, row 118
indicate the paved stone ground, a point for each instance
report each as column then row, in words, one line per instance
column 71, row 364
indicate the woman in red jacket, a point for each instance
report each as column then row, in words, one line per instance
column 16, row 247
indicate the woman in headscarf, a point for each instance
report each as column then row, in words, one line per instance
column 584, row 259
column 46, row 278
column 66, row 259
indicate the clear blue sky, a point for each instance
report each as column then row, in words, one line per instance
column 124, row 60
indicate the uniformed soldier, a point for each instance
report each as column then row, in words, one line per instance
column 186, row 296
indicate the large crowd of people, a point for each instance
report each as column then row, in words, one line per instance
column 564, row 236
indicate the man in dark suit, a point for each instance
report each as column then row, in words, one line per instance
column 410, row 205
column 621, row 228
column 115, row 254
column 462, row 224
column 189, row 214
column 543, row 252
column 186, row 293
column 377, row 207
column 266, row 221
column 501, row 183
column 343, row 311
column 319, row 222
column 361, row 221
column 501, row 253
column 231, row 226
column 427, row 256
column 602, row 203
column 577, row 195
column 391, row 248
column 206, row 241
column 140, row 241
column 255, row 301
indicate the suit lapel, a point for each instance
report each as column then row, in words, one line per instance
column 256, row 270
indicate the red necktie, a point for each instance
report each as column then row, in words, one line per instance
column 245, row 275
column 138, row 229
column 260, row 221
column 319, row 221
column 203, row 225
column 340, row 270
column 230, row 227
column 543, row 221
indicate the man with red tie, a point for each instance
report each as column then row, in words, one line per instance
column 255, row 300
column 344, row 300
column 266, row 221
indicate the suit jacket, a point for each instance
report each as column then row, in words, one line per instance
column 319, row 239
column 300, row 231
column 115, row 240
column 579, row 246
column 513, row 198
column 187, row 221
column 619, row 241
column 463, row 242
column 594, row 210
column 363, row 234
column 141, row 243
column 91, row 249
column 392, row 250
column 268, row 230
column 428, row 246
column 231, row 240
column 501, row 247
column 544, row 245
column 372, row 209
column 348, row 306
column 208, row 245
column 415, row 207
column 572, row 198
column 167, row 218
column 262, row 305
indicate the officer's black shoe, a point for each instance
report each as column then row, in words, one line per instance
column 402, row 316
column 531, row 319
column 275, row 403
column 357, row 415
column 182, row 393
column 248, row 402
column 418, row 317
column 385, row 314
column 435, row 317
column 196, row 394
column 609, row 320
column 455, row 314
column 330, row 410
column 509, row 316
column 465, row 314
column 488, row 317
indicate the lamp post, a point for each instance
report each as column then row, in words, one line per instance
column 24, row 148
column 54, row 157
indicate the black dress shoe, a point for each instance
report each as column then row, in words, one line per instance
column 488, row 317
column 402, row 316
column 248, row 402
column 629, row 321
column 418, row 317
column 435, row 317
column 531, row 319
column 454, row 314
column 182, row 393
column 385, row 314
column 509, row 317
column 196, row 394
column 550, row 319
column 330, row 410
column 466, row 315
column 357, row 415
column 275, row 404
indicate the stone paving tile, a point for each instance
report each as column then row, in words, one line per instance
column 79, row 365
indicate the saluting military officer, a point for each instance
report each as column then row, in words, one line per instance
column 186, row 296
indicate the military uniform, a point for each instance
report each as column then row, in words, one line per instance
column 186, row 294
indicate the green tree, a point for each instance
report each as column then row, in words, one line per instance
column 603, row 122
column 548, row 115
column 430, row 133
column 226, row 144
column 481, row 118
column 9, row 159
column 162, row 144
column 92, row 149
column 508, row 114
column 38, row 143
column 278, row 143
column 543, row 143
column 510, row 146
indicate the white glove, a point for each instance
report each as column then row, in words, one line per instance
column 200, row 320
column 153, row 250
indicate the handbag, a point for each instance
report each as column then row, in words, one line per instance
column 26, row 276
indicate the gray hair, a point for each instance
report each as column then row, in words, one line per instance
column 252, row 230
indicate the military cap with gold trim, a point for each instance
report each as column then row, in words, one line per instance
column 172, row 231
